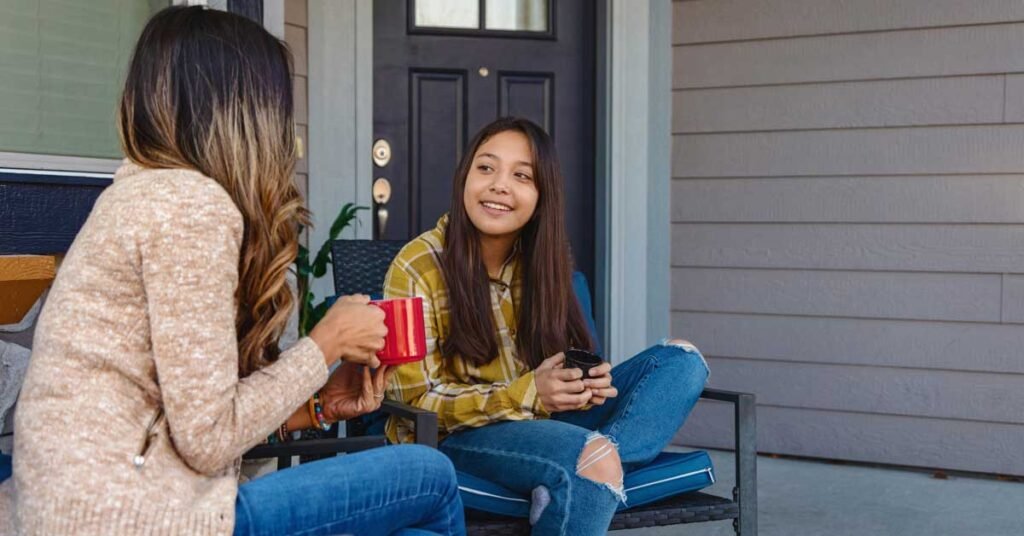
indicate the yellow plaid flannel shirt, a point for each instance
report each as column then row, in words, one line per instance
column 462, row 394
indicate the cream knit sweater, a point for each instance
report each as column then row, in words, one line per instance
column 138, row 329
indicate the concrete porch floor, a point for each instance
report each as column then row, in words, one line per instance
column 808, row 498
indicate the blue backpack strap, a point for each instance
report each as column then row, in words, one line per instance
column 579, row 285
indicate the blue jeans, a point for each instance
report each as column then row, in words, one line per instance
column 657, row 390
column 402, row 489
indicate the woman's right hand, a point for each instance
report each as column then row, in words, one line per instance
column 352, row 330
column 560, row 389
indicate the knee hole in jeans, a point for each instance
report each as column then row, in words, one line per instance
column 599, row 462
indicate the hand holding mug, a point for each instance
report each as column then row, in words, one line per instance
column 352, row 330
column 596, row 374
column 352, row 390
column 560, row 389
column 600, row 383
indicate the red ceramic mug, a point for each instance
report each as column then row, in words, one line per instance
column 407, row 339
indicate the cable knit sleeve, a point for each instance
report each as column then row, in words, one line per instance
column 188, row 254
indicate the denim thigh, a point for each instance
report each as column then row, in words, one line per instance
column 379, row 491
column 658, row 389
column 519, row 455
column 525, row 455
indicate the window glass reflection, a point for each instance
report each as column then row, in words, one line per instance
column 518, row 15
column 448, row 13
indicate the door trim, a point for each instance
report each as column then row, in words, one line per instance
column 633, row 253
column 340, row 42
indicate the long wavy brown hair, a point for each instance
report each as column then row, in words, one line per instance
column 211, row 91
column 549, row 317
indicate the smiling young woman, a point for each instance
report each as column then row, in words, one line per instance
column 495, row 278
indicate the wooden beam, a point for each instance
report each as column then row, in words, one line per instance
column 23, row 279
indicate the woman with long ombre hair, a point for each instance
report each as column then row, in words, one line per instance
column 156, row 361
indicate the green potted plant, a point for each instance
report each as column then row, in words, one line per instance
column 306, row 271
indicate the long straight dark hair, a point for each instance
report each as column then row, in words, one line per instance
column 549, row 319
column 211, row 91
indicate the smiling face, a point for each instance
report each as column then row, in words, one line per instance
column 500, row 194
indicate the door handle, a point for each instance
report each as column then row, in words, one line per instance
column 381, row 196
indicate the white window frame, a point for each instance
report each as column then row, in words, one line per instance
column 58, row 163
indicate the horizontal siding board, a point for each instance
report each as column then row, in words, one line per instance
column 901, row 54
column 296, row 12
column 1014, row 99
column 846, row 235
column 880, row 199
column 928, row 101
column 919, row 393
column 1013, row 299
column 896, row 247
column 866, row 342
column 295, row 36
column 912, row 441
column 857, row 152
column 728, row 20
column 299, row 92
column 302, row 183
column 921, row 296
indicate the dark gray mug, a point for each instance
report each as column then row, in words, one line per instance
column 582, row 359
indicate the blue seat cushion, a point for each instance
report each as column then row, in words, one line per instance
column 5, row 467
column 671, row 473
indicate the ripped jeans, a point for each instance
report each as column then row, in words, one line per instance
column 541, row 458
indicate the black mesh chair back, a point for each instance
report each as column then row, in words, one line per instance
column 360, row 265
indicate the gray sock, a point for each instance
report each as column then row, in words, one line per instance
column 539, row 500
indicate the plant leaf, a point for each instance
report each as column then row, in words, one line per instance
column 305, row 324
column 317, row 314
column 302, row 268
column 345, row 218
column 309, row 314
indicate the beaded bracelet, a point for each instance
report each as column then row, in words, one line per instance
column 318, row 413
column 280, row 436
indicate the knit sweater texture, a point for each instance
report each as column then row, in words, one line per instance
column 138, row 339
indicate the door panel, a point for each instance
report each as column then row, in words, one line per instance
column 527, row 95
column 438, row 121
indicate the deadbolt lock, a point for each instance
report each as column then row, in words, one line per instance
column 381, row 152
